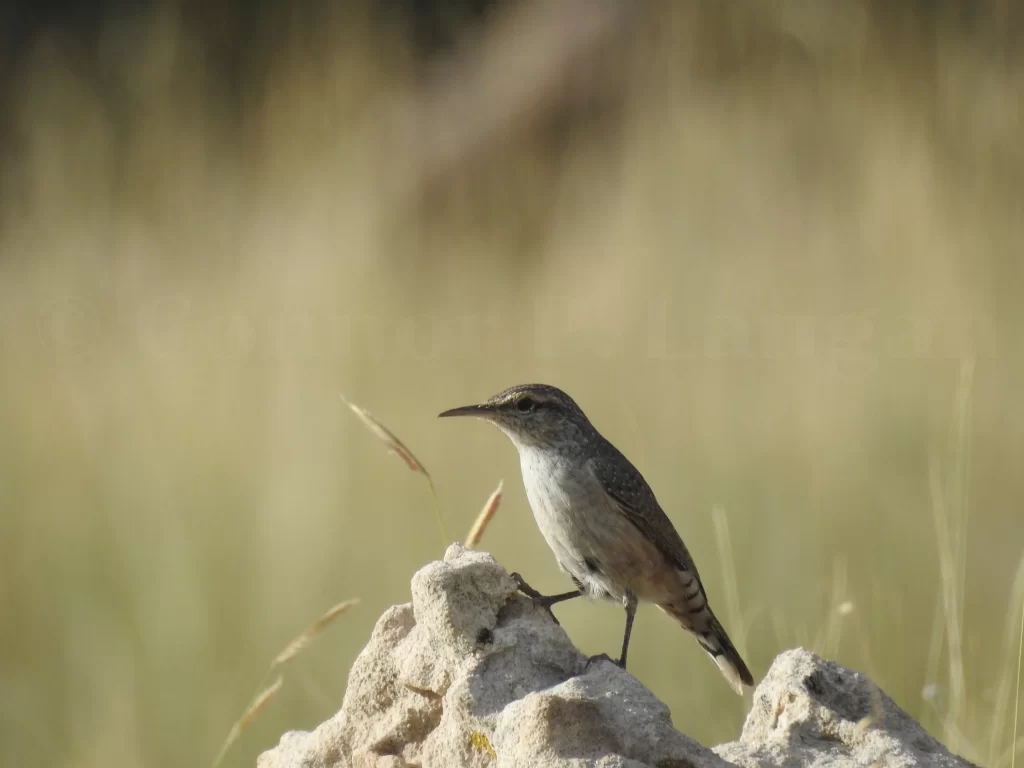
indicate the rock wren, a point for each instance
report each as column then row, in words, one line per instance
column 601, row 519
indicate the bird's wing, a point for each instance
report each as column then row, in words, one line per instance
column 625, row 486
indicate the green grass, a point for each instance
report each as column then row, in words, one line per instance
column 789, row 293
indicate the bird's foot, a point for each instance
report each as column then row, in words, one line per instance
column 525, row 588
column 543, row 602
column 605, row 657
column 536, row 597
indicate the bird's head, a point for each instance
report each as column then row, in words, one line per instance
column 532, row 415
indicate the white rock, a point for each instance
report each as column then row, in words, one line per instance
column 472, row 674
column 811, row 712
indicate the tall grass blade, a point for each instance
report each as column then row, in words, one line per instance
column 948, row 572
column 1016, row 703
column 732, row 593
column 951, row 512
column 1005, row 687
column 961, row 474
column 838, row 608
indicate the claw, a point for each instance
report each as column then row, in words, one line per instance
column 525, row 588
column 603, row 657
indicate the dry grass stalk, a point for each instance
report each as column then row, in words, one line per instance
column 480, row 525
column 830, row 635
column 263, row 698
column 874, row 715
column 951, row 596
column 1014, row 638
column 293, row 649
column 396, row 446
column 951, row 514
column 1016, row 705
column 732, row 593
column 387, row 437
column 300, row 643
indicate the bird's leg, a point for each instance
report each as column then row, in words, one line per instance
column 544, row 601
column 629, row 602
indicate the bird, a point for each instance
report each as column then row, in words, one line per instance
column 602, row 521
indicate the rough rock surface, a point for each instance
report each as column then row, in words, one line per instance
column 472, row 674
column 812, row 712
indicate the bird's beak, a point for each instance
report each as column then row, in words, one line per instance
column 483, row 411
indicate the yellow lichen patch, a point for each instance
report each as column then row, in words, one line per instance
column 481, row 742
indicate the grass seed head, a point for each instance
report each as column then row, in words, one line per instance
column 480, row 524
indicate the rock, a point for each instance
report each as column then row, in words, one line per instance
column 471, row 673
column 811, row 712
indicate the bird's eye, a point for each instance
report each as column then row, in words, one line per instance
column 525, row 404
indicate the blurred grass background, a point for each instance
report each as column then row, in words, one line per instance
column 772, row 249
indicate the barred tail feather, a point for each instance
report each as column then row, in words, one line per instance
column 721, row 650
column 713, row 639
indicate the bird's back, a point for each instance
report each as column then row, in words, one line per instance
column 626, row 486
column 687, row 600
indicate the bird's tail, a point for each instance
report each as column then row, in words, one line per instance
column 713, row 639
